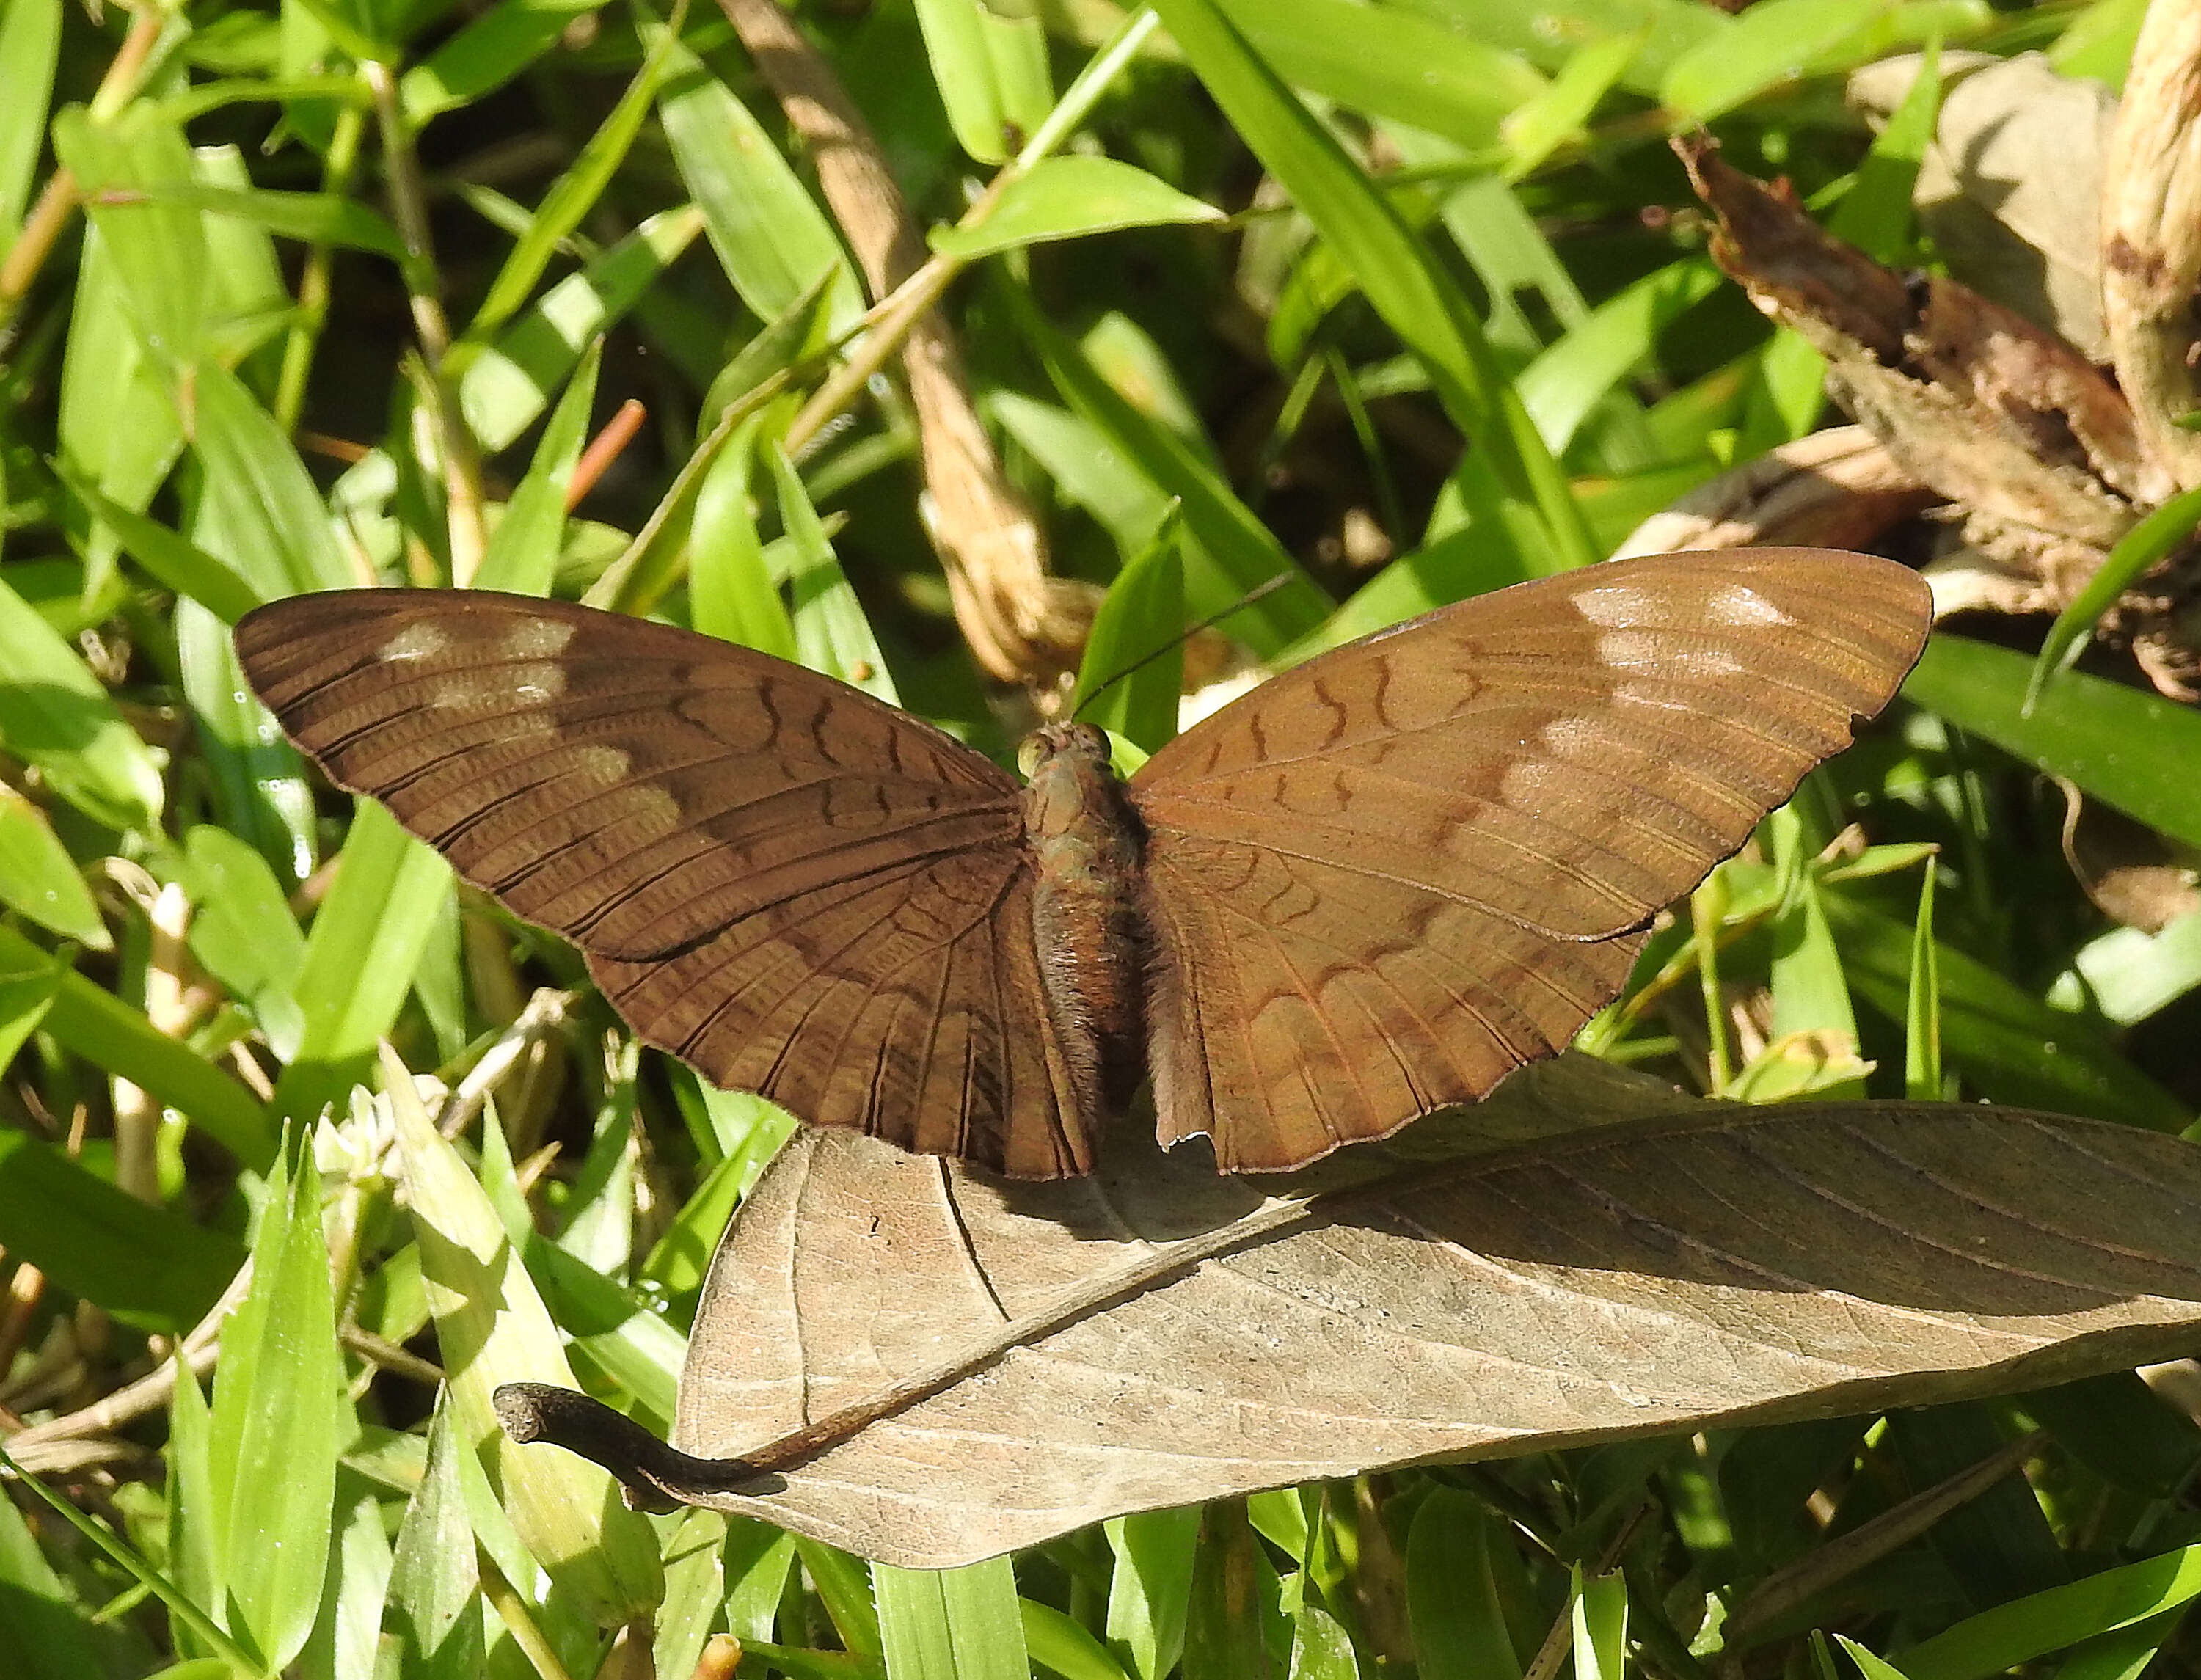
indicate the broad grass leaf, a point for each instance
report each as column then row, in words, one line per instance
column 507, row 384
column 367, row 939
column 433, row 1612
column 1141, row 618
column 1062, row 1645
column 492, row 1328
column 259, row 792
column 91, row 1022
column 1563, row 384
column 522, row 555
column 174, row 561
column 694, row 1592
column 258, row 510
column 277, row 1405
column 29, row 47
column 1775, row 43
column 731, row 593
column 242, row 933
column 831, row 633
column 56, row 714
column 38, row 880
column 1392, row 61
column 993, row 89
column 771, row 237
column 1233, row 552
column 1150, row 1589
column 315, row 217
column 2128, row 974
column 2138, row 751
column 574, row 193
column 490, row 52
column 951, row 1623
column 1458, row 1620
column 1067, row 198
column 147, row 1266
column 2010, row 1634
column 158, row 248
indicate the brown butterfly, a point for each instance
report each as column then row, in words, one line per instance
column 1369, row 889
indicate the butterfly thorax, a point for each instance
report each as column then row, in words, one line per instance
column 1085, row 841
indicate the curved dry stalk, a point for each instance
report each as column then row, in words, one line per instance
column 2151, row 237
column 1021, row 623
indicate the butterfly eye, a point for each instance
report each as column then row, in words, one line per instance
column 1029, row 752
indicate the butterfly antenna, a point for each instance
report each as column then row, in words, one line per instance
column 1185, row 635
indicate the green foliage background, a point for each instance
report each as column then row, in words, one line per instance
column 333, row 292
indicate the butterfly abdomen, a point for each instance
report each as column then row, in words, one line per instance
column 1091, row 938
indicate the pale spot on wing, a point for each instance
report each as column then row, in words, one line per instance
column 1737, row 607
column 1637, row 649
column 536, row 638
column 417, row 640
column 497, row 688
column 1568, row 737
column 1528, row 782
column 607, row 765
column 533, row 683
column 1616, row 604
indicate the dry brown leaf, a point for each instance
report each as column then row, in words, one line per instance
column 2150, row 228
column 1587, row 1255
column 1998, row 416
column 2010, row 187
column 1835, row 489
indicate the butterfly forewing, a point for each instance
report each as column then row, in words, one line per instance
column 800, row 889
column 1387, row 876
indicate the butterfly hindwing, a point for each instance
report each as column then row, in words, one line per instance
column 1390, row 875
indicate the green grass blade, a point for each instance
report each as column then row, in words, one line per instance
column 1392, row 271
column 56, row 714
column 29, row 47
column 491, row 49
column 731, row 593
column 2168, row 527
column 522, row 555
column 507, row 384
column 573, row 194
column 951, row 1623
column 1234, row 552
column 492, row 1328
column 1921, row 1019
column 770, row 236
column 1141, row 618
column 434, row 1612
column 2014, row 1047
column 1391, row 62
column 277, row 1412
column 174, row 561
column 1067, row 199
column 259, row 511
column 2029, row 1627
column 40, row 880
column 367, row 939
column 2138, row 751
column 147, row 1266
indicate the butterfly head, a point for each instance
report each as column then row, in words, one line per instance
column 1067, row 775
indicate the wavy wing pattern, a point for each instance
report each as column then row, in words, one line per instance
column 802, row 891
column 1391, row 875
